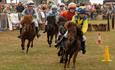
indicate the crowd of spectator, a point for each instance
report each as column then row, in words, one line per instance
column 93, row 10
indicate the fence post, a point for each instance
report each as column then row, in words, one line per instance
column 113, row 21
column 108, row 21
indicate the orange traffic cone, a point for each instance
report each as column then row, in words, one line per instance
column 106, row 55
column 99, row 39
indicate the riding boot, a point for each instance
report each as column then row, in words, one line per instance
column 83, row 47
column 20, row 33
column 37, row 32
column 45, row 30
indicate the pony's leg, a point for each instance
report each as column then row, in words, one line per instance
column 61, row 59
column 32, row 44
column 23, row 44
column 55, row 38
column 61, row 54
column 74, row 60
column 60, row 51
column 28, row 45
column 66, row 60
column 69, row 59
column 48, row 39
column 75, row 54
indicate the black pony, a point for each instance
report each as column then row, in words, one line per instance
column 51, row 29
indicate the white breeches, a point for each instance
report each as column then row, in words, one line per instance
column 84, row 38
column 35, row 22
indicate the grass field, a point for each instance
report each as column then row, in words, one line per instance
column 41, row 57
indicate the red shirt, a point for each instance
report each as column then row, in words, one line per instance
column 68, row 15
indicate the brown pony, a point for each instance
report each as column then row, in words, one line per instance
column 72, row 44
column 28, row 32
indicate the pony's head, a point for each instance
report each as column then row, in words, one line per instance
column 27, row 19
column 27, row 24
column 72, row 31
column 61, row 20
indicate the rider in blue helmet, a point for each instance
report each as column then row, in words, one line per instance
column 82, row 21
column 80, row 11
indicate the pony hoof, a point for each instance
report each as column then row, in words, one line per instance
column 74, row 69
column 56, row 41
column 23, row 49
column 61, row 61
column 68, row 66
column 31, row 46
column 64, row 68
column 49, row 45
column 26, row 52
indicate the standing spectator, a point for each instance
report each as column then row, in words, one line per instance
column 4, row 16
column 104, row 11
column 109, row 11
column 113, row 9
column 0, row 8
column 42, row 13
column 88, row 9
column 50, row 3
column 93, row 12
column 13, row 10
column 113, row 16
column 19, row 9
column 7, row 9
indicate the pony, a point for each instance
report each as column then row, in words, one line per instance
column 61, row 29
column 52, row 29
column 71, row 44
column 28, row 32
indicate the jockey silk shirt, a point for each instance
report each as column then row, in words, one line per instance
column 30, row 12
column 83, row 23
column 68, row 15
column 52, row 13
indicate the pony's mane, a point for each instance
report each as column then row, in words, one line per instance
column 62, row 19
column 69, row 24
column 27, row 19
